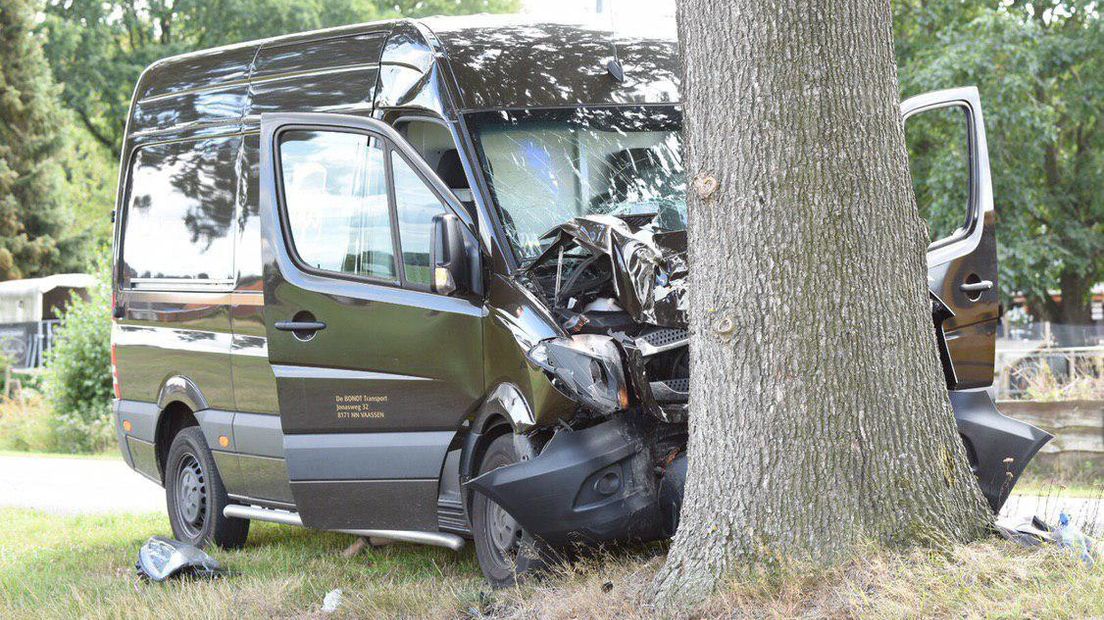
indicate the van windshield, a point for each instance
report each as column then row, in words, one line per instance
column 547, row 166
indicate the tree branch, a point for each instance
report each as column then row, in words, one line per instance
column 95, row 131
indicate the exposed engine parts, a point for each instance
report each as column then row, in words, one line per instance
column 617, row 285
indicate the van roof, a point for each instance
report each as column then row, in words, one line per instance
column 496, row 62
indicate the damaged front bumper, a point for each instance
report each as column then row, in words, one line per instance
column 998, row 447
column 591, row 485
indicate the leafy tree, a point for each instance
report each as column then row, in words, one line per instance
column 32, row 130
column 1040, row 69
column 98, row 49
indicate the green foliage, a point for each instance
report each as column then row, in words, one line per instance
column 1040, row 70
column 33, row 240
column 78, row 365
column 91, row 175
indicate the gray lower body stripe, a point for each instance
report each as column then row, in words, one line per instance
column 366, row 456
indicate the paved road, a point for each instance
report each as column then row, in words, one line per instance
column 76, row 486
column 1087, row 513
column 82, row 486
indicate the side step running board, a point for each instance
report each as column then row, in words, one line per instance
column 440, row 539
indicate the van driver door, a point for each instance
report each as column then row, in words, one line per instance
column 945, row 135
column 374, row 370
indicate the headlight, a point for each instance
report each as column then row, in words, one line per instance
column 588, row 366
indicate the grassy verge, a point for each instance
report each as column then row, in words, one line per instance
column 1043, row 487
column 66, row 567
column 60, row 567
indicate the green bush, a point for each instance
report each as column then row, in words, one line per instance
column 78, row 370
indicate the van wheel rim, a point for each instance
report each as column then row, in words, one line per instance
column 191, row 496
column 503, row 532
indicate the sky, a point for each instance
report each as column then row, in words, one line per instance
column 623, row 15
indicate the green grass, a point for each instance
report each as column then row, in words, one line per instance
column 64, row 567
column 1044, row 488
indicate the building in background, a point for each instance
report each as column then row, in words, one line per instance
column 30, row 310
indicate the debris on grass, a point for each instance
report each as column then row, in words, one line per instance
column 331, row 601
column 164, row 558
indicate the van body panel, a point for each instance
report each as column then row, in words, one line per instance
column 565, row 64
column 138, row 444
column 209, row 106
column 143, row 458
column 516, row 322
column 210, row 69
column 149, row 355
column 259, row 441
column 410, row 76
column 408, row 505
column 367, row 456
column 217, row 424
column 266, row 478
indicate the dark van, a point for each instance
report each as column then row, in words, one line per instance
column 425, row 281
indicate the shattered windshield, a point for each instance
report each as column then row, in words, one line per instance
column 548, row 166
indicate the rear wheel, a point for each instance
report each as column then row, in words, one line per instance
column 506, row 552
column 195, row 496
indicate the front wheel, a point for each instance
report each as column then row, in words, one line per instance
column 195, row 496
column 505, row 551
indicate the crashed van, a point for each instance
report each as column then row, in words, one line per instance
column 426, row 281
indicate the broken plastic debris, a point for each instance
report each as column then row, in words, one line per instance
column 1070, row 537
column 1026, row 531
column 331, row 601
column 161, row 558
column 1033, row 532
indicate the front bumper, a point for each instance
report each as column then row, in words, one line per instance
column 592, row 485
column 999, row 447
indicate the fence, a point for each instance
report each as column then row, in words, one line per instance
column 1050, row 373
column 1077, row 426
column 1049, row 361
column 26, row 344
column 1052, row 334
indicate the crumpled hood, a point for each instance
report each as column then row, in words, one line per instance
column 649, row 265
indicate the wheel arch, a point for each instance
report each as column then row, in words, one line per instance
column 180, row 401
column 175, row 416
column 505, row 410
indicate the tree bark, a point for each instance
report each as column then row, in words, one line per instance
column 820, row 413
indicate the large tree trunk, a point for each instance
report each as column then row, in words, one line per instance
column 820, row 416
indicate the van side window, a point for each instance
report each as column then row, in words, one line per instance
column 180, row 212
column 335, row 192
column 416, row 205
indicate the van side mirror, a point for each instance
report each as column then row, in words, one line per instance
column 452, row 265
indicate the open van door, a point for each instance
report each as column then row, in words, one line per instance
column 949, row 158
column 950, row 162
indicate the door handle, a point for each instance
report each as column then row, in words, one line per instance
column 974, row 287
column 300, row 326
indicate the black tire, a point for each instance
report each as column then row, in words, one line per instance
column 506, row 553
column 195, row 496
